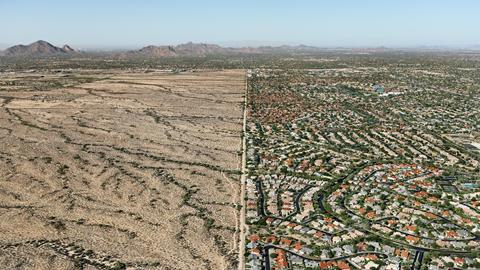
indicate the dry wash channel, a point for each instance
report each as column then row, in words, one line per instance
column 115, row 169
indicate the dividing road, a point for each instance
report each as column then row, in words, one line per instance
column 241, row 243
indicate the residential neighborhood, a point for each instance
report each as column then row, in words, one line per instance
column 348, row 173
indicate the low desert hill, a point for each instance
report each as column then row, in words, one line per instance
column 39, row 48
column 203, row 49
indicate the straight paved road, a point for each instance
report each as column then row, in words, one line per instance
column 241, row 243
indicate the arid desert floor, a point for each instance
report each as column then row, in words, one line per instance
column 111, row 169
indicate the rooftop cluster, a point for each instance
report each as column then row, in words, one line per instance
column 343, row 176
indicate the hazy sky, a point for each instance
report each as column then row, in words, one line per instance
column 121, row 23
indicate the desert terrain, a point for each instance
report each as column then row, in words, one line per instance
column 119, row 169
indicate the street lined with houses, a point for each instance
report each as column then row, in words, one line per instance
column 342, row 176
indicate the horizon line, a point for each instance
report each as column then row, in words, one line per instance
column 247, row 44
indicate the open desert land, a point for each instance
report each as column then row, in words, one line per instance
column 119, row 169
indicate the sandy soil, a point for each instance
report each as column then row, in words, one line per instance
column 122, row 169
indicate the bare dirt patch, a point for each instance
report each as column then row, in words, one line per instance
column 120, row 169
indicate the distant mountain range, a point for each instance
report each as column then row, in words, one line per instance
column 39, row 48
column 43, row 48
column 203, row 49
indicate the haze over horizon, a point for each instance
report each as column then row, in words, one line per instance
column 126, row 25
